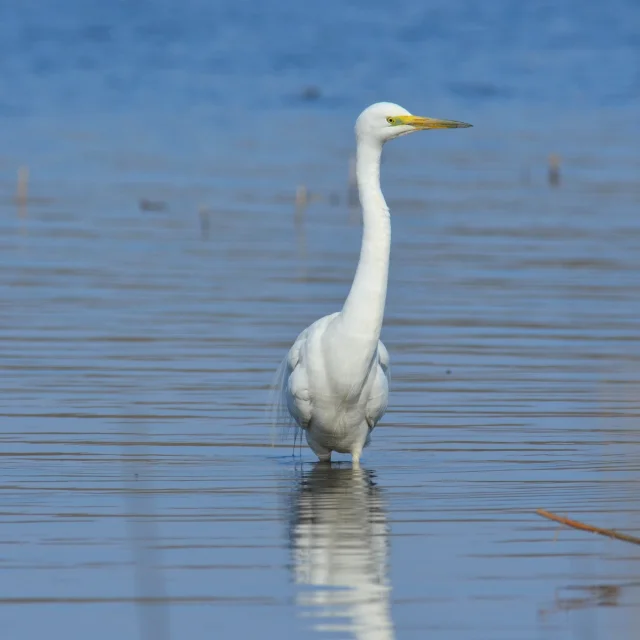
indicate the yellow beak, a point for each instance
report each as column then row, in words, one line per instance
column 431, row 123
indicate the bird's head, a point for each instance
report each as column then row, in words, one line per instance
column 384, row 121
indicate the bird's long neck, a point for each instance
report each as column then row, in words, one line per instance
column 363, row 310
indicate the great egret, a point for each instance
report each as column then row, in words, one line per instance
column 334, row 381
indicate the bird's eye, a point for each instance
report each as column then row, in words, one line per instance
column 391, row 120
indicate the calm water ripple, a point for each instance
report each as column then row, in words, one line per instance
column 156, row 274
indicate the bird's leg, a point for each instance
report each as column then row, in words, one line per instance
column 359, row 445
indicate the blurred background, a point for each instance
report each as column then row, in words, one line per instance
column 177, row 204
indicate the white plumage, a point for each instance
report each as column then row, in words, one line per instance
column 334, row 382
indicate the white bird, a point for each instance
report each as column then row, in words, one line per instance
column 334, row 382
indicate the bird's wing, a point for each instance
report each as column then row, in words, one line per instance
column 293, row 357
column 298, row 396
column 383, row 360
column 377, row 403
column 297, row 385
column 282, row 418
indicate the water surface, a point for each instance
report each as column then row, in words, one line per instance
column 139, row 491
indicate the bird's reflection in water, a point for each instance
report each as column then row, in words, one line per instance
column 339, row 542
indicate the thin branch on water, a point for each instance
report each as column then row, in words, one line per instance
column 587, row 527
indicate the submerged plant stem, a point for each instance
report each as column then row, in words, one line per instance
column 587, row 527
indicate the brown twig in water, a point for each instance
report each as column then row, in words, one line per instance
column 587, row 527
column 22, row 190
column 554, row 170
column 23, row 185
column 302, row 200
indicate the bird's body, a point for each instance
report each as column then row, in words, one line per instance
column 336, row 414
column 334, row 381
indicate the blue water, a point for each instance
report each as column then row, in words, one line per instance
column 72, row 57
column 140, row 496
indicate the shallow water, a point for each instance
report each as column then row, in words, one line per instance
column 139, row 491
